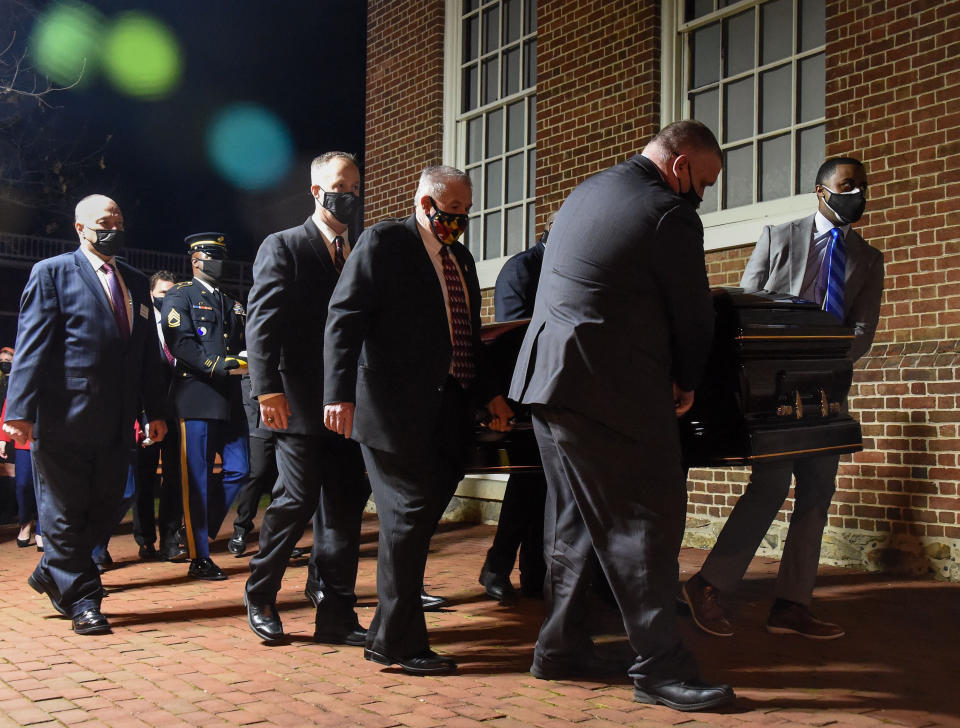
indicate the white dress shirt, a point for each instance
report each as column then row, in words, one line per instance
column 97, row 262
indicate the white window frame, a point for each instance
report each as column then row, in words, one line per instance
column 454, row 135
column 739, row 225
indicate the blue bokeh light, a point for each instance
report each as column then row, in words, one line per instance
column 249, row 146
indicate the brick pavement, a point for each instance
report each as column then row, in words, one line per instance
column 181, row 655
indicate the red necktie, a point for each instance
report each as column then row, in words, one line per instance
column 464, row 369
column 117, row 301
column 338, row 259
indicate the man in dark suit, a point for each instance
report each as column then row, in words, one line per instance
column 203, row 329
column 402, row 373
column 520, row 525
column 321, row 473
column 166, row 454
column 85, row 363
column 619, row 338
column 817, row 258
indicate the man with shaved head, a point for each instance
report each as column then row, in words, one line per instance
column 85, row 364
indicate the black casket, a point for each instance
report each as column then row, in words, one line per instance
column 775, row 388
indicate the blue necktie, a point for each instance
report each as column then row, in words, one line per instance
column 837, row 265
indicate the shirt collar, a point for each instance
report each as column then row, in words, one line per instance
column 821, row 226
column 325, row 230
column 95, row 260
column 205, row 285
column 430, row 241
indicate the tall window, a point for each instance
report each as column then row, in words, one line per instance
column 754, row 73
column 496, row 122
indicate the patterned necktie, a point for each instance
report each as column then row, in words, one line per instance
column 463, row 366
column 117, row 301
column 836, row 268
column 166, row 353
column 338, row 259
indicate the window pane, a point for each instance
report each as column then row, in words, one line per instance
column 469, row 5
column 515, row 238
column 812, row 24
column 711, row 199
column 511, row 71
column 511, row 21
column 775, row 101
column 475, row 139
column 473, row 237
column 698, row 8
column 532, row 173
column 515, row 179
column 491, row 235
column 738, row 43
column 775, row 168
column 471, row 38
column 469, row 88
column 738, row 177
column 476, row 180
column 515, row 125
column 530, row 63
column 705, row 55
column 491, row 29
column 530, row 16
column 738, row 110
column 531, row 225
column 705, row 107
column 811, row 151
column 532, row 120
column 776, row 21
column 495, row 133
column 812, row 79
column 491, row 69
column 493, row 181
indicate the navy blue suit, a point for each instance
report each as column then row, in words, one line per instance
column 81, row 383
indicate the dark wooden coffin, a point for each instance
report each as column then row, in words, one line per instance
column 775, row 388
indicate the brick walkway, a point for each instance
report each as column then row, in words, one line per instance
column 181, row 655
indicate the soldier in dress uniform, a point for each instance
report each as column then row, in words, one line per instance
column 203, row 328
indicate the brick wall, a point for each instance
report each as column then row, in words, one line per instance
column 404, row 121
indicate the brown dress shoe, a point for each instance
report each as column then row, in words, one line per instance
column 704, row 602
column 797, row 619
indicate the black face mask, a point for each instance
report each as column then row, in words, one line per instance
column 213, row 268
column 543, row 237
column 847, row 206
column 6, row 366
column 109, row 242
column 691, row 195
column 342, row 205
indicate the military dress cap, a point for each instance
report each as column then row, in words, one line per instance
column 213, row 244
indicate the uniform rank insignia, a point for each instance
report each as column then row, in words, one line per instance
column 201, row 330
column 208, row 363
column 173, row 318
column 238, row 309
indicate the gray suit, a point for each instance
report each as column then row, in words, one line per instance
column 778, row 263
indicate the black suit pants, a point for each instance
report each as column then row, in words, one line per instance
column 262, row 479
column 520, row 527
column 79, row 487
column 314, row 468
column 166, row 488
column 611, row 495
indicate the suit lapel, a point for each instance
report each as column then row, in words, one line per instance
column 423, row 267
column 801, row 232
column 89, row 278
column 851, row 277
column 319, row 247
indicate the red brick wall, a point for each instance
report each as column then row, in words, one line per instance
column 404, row 122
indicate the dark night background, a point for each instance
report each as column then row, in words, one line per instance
column 304, row 61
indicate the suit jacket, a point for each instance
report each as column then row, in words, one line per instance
column 779, row 261
column 293, row 279
column 74, row 376
column 200, row 329
column 387, row 344
column 623, row 307
column 516, row 287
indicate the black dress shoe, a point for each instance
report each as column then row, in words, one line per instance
column 314, row 595
column 592, row 665
column 264, row 620
column 103, row 562
column 148, row 552
column 427, row 662
column 497, row 587
column 40, row 583
column 356, row 637
column 238, row 544
column 299, row 553
column 91, row 621
column 174, row 552
column 430, row 602
column 23, row 542
column 684, row 694
column 205, row 569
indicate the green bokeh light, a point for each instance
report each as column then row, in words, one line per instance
column 141, row 56
column 63, row 43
